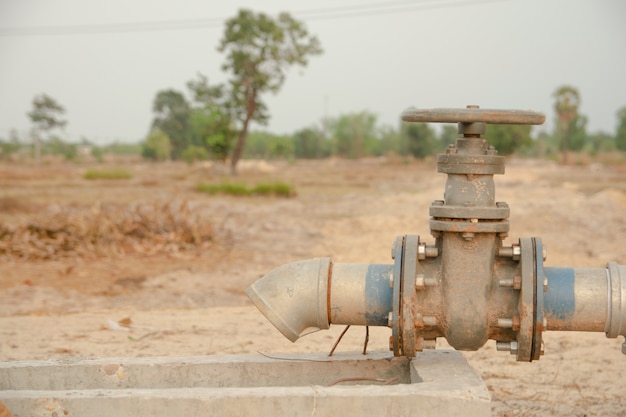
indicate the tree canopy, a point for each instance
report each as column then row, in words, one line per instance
column 259, row 49
column 46, row 116
column 171, row 116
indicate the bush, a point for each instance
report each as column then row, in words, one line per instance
column 157, row 146
column 111, row 174
column 277, row 189
column 224, row 188
column 193, row 153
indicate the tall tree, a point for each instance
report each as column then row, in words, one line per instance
column 46, row 116
column 620, row 133
column 259, row 49
column 171, row 116
column 567, row 101
column 211, row 118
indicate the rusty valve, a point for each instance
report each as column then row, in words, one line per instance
column 469, row 286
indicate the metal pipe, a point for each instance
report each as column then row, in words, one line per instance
column 294, row 297
column 303, row 297
column 361, row 294
column 586, row 299
column 576, row 299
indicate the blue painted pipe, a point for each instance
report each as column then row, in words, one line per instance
column 577, row 299
column 361, row 294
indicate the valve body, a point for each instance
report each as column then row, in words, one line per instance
column 468, row 286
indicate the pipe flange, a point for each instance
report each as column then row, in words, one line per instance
column 408, row 315
column 538, row 328
column 459, row 212
column 397, row 252
column 616, row 320
column 501, row 226
column 526, row 301
column 529, row 336
column 470, row 164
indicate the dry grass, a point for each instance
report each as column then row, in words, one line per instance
column 106, row 231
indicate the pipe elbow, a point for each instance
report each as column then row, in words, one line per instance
column 294, row 297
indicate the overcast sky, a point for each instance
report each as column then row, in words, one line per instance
column 383, row 58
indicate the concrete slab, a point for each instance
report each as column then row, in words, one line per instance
column 434, row 383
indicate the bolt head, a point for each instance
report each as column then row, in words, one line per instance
column 390, row 319
column 517, row 252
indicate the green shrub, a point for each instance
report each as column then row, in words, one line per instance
column 110, row 174
column 157, row 146
column 224, row 188
column 193, row 153
column 277, row 189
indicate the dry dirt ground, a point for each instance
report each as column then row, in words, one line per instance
column 190, row 300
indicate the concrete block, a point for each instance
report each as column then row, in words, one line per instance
column 434, row 383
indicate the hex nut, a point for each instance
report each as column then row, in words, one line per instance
column 420, row 282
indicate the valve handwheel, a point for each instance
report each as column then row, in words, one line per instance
column 473, row 114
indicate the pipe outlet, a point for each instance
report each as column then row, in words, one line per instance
column 294, row 297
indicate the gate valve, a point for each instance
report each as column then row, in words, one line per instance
column 468, row 286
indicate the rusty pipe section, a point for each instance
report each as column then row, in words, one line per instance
column 306, row 296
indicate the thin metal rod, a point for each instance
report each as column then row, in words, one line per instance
column 338, row 340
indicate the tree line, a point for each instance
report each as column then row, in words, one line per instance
column 214, row 121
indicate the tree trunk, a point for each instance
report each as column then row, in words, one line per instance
column 241, row 143
column 37, row 150
column 565, row 148
column 243, row 135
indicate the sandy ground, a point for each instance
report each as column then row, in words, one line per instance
column 194, row 303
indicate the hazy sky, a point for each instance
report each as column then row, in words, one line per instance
column 381, row 58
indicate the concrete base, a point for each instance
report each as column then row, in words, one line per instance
column 434, row 383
